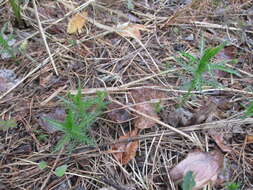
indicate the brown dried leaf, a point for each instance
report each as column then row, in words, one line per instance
column 45, row 79
column 143, row 95
column 124, row 152
column 143, row 122
column 180, row 117
column 218, row 138
column 77, row 22
column 227, row 53
column 132, row 30
column 249, row 138
column 117, row 113
column 204, row 165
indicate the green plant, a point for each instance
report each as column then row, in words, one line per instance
column 60, row 171
column 188, row 181
column 15, row 5
column 197, row 67
column 158, row 107
column 81, row 113
column 7, row 124
column 249, row 110
column 233, row 186
column 6, row 42
column 130, row 4
column 42, row 165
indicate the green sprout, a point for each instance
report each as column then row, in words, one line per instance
column 81, row 114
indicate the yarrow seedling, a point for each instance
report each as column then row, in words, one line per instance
column 197, row 67
column 81, row 113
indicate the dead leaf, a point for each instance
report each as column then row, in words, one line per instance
column 249, row 138
column 132, row 30
column 124, row 152
column 205, row 112
column 227, row 53
column 45, row 78
column 144, row 100
column 117, row 113
column 143, row 122
column 180, row 117
column 205, row 166
column 218, row 138
column 77, row 22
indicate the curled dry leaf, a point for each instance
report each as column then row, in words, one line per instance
column 124, row 152
column 131, row 30
column 77, row 22
column 117, row 113
column 205, row 166
column 218, row 138
column 141, row 96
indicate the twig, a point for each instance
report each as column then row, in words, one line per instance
column 157, row 121
column 44, row 37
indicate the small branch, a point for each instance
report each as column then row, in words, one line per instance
column 44, row 37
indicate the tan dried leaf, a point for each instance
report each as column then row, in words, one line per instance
column 218, row 138
column 124, row 152
column 132, row 30
column 143, row 122
column 118, row 114
column 205, row 167
column 77, row 22
column 249, row 138
column 141, row 96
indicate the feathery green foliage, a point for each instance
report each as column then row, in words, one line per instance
column 188, row 181
column 81, row 113
column 197, row 67
column 15, row 5
column 249, row 110
column 4, row 42
column 233, row 186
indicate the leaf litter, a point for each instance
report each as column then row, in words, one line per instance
column 205, row 166
column 124, row 152
column 170, row 23
column 77, row 22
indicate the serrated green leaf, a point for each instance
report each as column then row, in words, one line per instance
column 60, row 171
column 42, row 165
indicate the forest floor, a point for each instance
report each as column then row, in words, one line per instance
column 166, row 100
